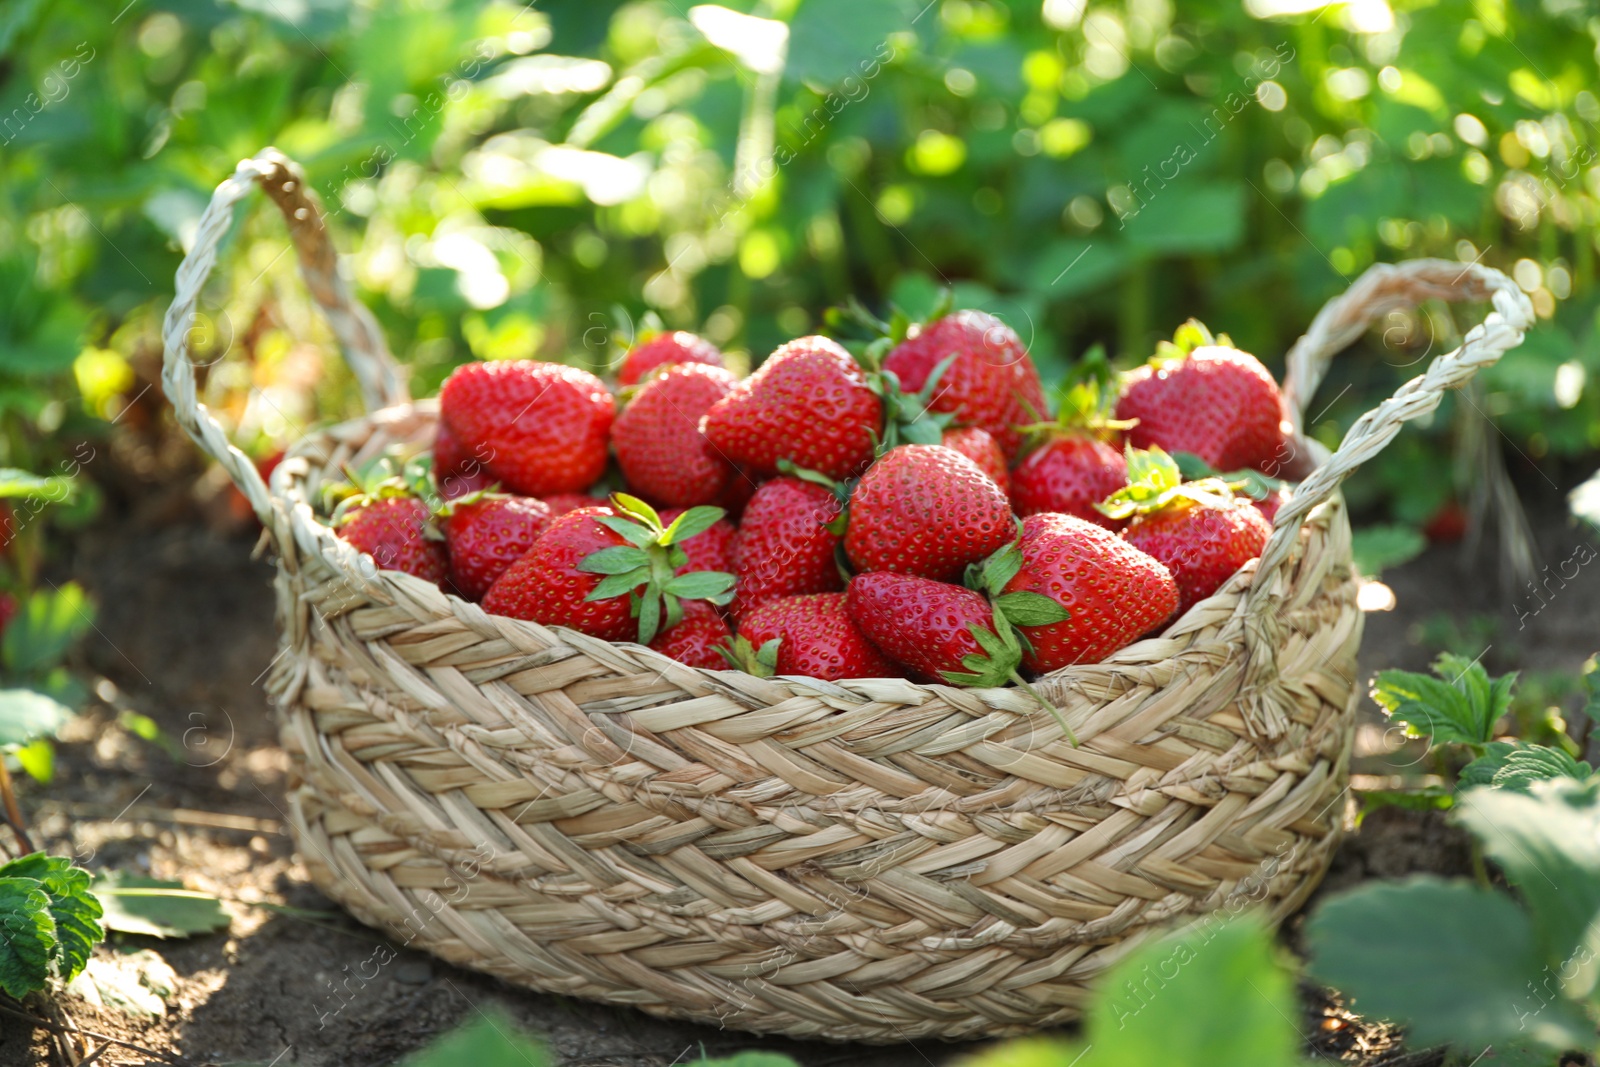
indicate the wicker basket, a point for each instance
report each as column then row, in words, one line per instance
column 867, row 860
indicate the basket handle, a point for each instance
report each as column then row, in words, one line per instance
column 376, row 372
column 1382, row 289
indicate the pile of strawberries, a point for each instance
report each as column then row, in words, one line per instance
column 914, row 512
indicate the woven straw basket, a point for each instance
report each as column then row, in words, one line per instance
column 867, row 860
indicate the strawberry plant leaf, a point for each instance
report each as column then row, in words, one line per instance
column 30, row 939
column 648, row 611
column 1216, row 994
column 1380, row 546
column 1516, row 766
column 638, row 535
column 618, row 559
column 73, row 908
column 47, row 624
column 1547, row 841
column 155, row 908
column 1482, row 962
column 692, row 522
column 26, row 715
column 1461, row 705
column 58, row 488
column 490, row 1040
column 742, row 656
column 1591, row 685
column 996, row 572
column 1026, row 608
column 700, row 585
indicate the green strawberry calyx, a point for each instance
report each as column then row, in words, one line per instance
column 1085, row 404
column 644, row 569
column 1253, row 484
column 909, row 418
column 1188, row 337
column 1000, row 662
column 881, row 337
column 743, row 656
column 388, row 476
column 1155, row 482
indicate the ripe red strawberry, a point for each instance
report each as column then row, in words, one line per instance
column 785, row 547
column 449, row 457
column 1112, row 592
column 538, row 427
column 660, row 448
column 561, row 503
column 456, row 486
column 546, row 585
column 992, row 383
column 665, row 350
column 488, row 534
column 924, row 624
column 978, row 445
column 815, row 638
column 714, row 549
column 1070, row 473
column 809, row 403
column 1202, row 540
column 1199, row 530
column 696, row 640
column 1202, row 396
column 394, row 531
column 926, row 510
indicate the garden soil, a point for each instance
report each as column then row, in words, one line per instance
column 184, row 636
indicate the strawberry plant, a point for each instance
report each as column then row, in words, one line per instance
column 51, row 922
column 1479, row 967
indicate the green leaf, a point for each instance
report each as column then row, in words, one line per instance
column 30, row 940
column 1002, row 566
column 38, row 760
column 1517, row 766
column 1379, row 547
column 1025, row 608
column 1547, row 842
column 632, row 531
column 149, row 906
column 618, row 559
column 618, row 584
column 1462, row 705
column 1430, row 798
column 1214, row 994
column 26, row 716
column 488, row 1040
column 692, row 522
column 700, row 585
column 47, row 624
column 834, row 40
column 649, row 612
column 747, row 1058
column 57, row 488
column 1186, row 217
column 73, row 909
column 1454, row 962
column 1591, row 686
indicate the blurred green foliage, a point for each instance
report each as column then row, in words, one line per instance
column 512, row 179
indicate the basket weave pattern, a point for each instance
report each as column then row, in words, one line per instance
column 869, row 860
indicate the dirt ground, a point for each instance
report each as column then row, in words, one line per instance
column 184, row 636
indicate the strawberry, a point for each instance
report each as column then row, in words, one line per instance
column 538, row 427
column 992, row 383
column 809, row 403
column 1070, row 473
column 978, row 445
column 1112, row 592
column 660, row 448
column 665, row 350
column 926, row 510
column 380, row 511
column 713, row 549
column 1275, row 499
column 456, row 486
column 1199, row 531
column 785, row 546
column 697, row 640
column 395, row 531
column 449, row 457
column 547, row 585
column 814, row 636
column 561, row 503
column 929, row 626
column 1201, row 395
column 488, row 533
